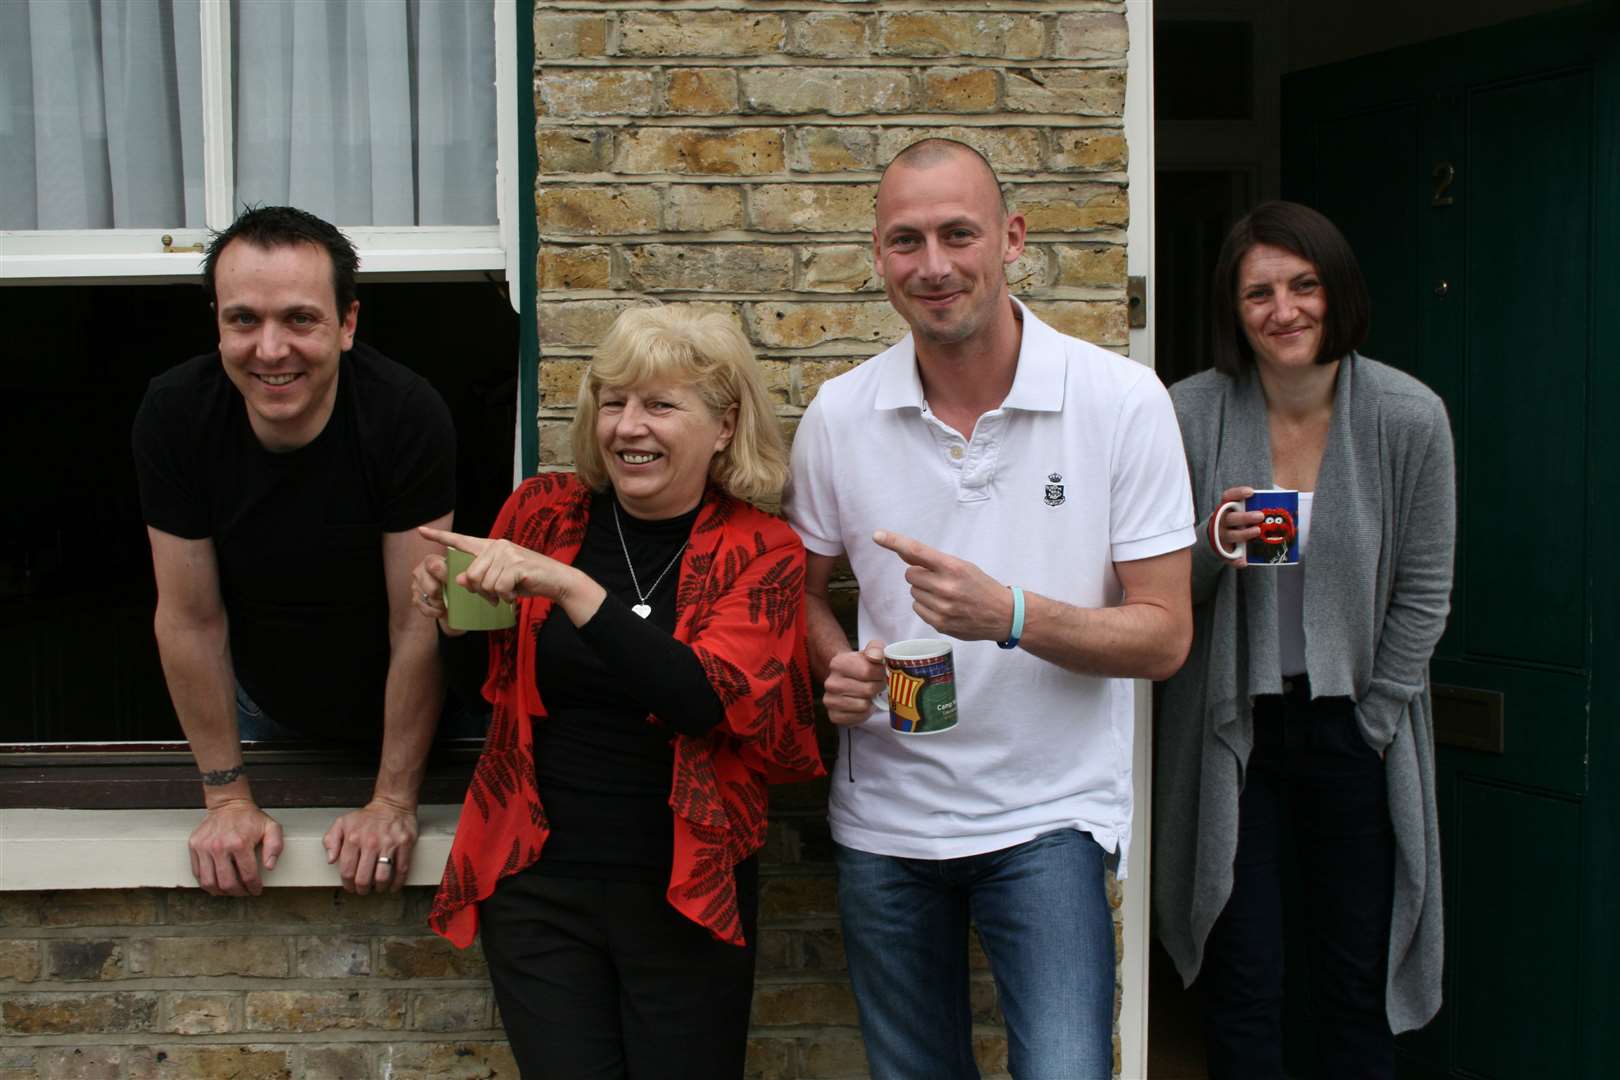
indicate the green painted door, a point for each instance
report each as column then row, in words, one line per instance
column 1476, row 179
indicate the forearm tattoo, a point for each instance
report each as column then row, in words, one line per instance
column 216, row 777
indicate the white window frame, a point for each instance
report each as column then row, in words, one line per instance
column 75, row 256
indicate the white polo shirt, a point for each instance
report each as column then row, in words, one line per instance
column 1081, row 467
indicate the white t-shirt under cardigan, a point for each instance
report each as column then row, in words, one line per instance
column 1081, row 467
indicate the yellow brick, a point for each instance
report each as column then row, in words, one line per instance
column 960, row 90
column 1010, row 149
column 559, row 381
column 933, row 33
column 701, row 33
column 822, row 149
column 1091, row 267
column 1072, row 208
column 596, row 211
column 830, row 34
column 814, row 373
column 100, row 907
column 705, row 151
column 190, row 1062
column 465, row 1060
column 327, row 907
column 264, row 957
column 839, row 91
column 595, row 92
column 578, row 322
column 837, row 268
column 1089, row 150
column 559, row 36
column 69, row 1014
column 1101, row 322
column 703, row 207
column 285, row 1011
column 1067, row 91
column 573, row 149
column 19, row 960
column 556, row 448
column 804, row 1003
column 718, row 267
column 799, row 208
column 1091, row 35
column 202, row 1013
column 575, row 267
column 795, row 325
column 705, row 91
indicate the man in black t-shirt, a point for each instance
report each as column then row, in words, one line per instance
column 282, row 481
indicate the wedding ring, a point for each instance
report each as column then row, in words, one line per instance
column 385, row 860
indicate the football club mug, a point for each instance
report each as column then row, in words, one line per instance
column 921, row 692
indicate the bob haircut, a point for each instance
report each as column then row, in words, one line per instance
column 1306, row 233
column 707, row 352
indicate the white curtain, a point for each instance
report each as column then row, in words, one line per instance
column 100, row 114
column 366, row 112
column 371, row 112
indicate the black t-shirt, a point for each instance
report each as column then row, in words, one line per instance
column 616, row 691
column 298, row 535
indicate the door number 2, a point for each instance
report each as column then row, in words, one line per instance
column 1444, row 174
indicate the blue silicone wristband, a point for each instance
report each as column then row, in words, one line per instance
column 1018, row 619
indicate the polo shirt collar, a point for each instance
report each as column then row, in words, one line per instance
column 1038, row 383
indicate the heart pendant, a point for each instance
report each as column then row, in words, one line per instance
column 643, row 610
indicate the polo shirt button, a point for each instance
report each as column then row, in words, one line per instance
column 956, row 453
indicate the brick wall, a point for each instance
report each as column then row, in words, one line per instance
column 727, row 154
column 144, row 984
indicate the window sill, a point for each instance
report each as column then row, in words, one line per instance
column 130, row 849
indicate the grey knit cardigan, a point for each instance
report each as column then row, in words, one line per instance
column 1377, row 590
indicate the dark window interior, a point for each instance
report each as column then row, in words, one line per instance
column 1204, row 70
column 77, row 657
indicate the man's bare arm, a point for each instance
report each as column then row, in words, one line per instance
column 193, row 642
column 1145, row 636
column 386, row 826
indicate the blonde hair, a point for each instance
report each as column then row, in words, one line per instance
column 706, row 351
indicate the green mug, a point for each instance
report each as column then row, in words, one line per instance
column 466, row 610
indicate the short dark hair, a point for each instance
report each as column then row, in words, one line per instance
column 283, row 226
column 1311, row 236
column 935, row 150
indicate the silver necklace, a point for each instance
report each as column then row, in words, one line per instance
column 643, row 609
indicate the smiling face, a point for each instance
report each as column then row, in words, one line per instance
column 1282, row 305
column 657, row 440
column 942, row 245
column 280, row 337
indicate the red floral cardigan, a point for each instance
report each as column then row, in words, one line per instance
column 739, row 604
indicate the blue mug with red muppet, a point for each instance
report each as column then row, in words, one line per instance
column 1278, row 542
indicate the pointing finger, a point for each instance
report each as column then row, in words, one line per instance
column 912, row 551
column 472, row 545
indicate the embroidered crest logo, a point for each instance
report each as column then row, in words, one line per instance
column 1054, row 489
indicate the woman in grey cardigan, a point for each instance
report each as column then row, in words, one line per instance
column 1306, row 696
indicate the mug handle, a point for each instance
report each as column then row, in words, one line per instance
column 1215, row 531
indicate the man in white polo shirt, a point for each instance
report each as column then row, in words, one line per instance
column 1024, row 495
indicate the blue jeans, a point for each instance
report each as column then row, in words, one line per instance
column 1042, row 913
column 254, row 725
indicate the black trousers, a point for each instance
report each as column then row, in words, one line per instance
column 1310, row 764
column 604, row 979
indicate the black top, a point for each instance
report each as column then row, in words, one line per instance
column 298, row 535
column 616, row 690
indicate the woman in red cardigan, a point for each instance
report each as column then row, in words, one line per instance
column 654, row 683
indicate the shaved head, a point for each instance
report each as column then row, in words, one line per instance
column 928, row 153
